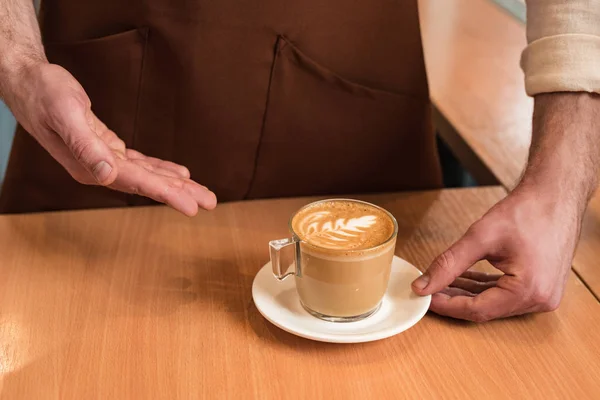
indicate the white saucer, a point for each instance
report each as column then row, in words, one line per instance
column 278, row 302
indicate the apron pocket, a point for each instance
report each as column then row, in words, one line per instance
column 110, row 71
column 323, row 134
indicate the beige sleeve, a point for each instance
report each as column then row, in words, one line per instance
column 564, row 46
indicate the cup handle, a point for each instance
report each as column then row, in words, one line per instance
column 275, row 247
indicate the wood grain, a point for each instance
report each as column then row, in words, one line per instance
column 472, row 51
column 144, row 303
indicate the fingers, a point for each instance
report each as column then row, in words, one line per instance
column 182, row 194
column 493, row 303
column 109, row 137
column 481, row 276
column 451, row 264
column 157, row 170
column 71, row 121
column 453, row 291
column 180, row 170
column 471, row 285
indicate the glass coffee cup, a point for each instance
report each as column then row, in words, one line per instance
column 343, row 251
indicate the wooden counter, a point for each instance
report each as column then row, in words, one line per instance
column 142, row 303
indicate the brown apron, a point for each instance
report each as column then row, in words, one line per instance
column 266, row 98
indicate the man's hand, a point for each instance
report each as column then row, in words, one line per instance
column 528, row 237
column 53, row 107
column 531, row 235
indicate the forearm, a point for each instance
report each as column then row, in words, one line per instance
column 564, row 159
column 20, row 41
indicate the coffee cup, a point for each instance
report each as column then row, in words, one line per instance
column 343, row 251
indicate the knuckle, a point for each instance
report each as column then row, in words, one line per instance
column 163, row 195
column 147, row 166
column 478, row 313
column 99, row 126
column 553, row 305
column 550, row 305
column 475, row 230
column 82, row 98
column 541, row 297
column 480, row 233
column 63, row 102
column 81, row 148
column 480, row 316
column 176, row 184
column 445, row 261
column 134, row 189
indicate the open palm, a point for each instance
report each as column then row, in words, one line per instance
column 56, row 111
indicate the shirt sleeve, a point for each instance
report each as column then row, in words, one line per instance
column 563, row 52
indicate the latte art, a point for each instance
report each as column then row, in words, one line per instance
column 325, row 230
column 343, row 225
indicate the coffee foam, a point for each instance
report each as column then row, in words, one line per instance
column 343, row 225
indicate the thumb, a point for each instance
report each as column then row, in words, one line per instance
column 451, row 264
column 78, row 133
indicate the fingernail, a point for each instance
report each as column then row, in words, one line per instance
column 421, row 282
column 102, row 171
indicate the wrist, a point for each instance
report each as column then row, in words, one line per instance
column 15, row 66
column 565, row 153
column 554, row 188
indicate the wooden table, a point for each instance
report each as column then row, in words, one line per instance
column 145, row 303
column 472, row 51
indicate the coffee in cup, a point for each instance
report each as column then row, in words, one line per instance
column 343, row 257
